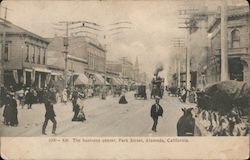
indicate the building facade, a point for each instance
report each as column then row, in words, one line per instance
column 76, row 59
column 238, row 46
column 137, row 71
column 127, row 69
column 24, row 57
column 85, row 56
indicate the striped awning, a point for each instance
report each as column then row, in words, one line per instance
column 81, row 79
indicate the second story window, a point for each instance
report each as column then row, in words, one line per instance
column 39, row 55
column 27, row 53
column 6, row 53
column 235, row 37
column 34, row 54
column 43, row 56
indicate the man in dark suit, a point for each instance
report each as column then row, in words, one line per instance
column 49, row 115
column 156, row 111
column 29, row 99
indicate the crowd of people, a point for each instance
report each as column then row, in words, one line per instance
column 209, row 122
column 11, row 99
column 27, row 96
column 183, row 92
column 217, row 124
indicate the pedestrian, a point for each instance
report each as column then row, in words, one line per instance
column 64, row 96
column 80, row 116
column 3, row 93
column 49, row 115
column 76, row 107
column 13, row 109
column 21, row 97
column 29, row 98
column 68, row 93
column 184, row 95
column 123, row 98
column 7, row 109
column 156, row 111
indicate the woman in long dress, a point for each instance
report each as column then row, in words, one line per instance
column 123, row 98
column 64, row 96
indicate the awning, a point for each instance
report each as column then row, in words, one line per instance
column 56, row 73
column 99, row 80
column 28, row 70
column 116, row 81
column 81, row 79
column 120, row 80
column 40, row 69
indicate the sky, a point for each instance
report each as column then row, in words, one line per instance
column 154, row 24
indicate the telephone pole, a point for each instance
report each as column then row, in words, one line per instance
column 224, row 55
column 179, row 43
column 67, row 24
column 66, row 52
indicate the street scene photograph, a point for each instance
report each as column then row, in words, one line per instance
column 163, row 68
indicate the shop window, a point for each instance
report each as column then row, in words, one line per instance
column 235, row 36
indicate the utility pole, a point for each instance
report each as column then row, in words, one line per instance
column 179, row 43
column 224, row 54
column 67, row 24
column 188, row 53
column 191, row 27
column 66, row 45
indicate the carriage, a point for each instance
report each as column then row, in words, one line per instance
column 173, row 91
column 141, row 92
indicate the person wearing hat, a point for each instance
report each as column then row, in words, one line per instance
column 14, row 112
column 29, row 98
column 156, row 111
column 7, row 112
column 49, row 115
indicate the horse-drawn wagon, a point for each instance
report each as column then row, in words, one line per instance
column 141, row 92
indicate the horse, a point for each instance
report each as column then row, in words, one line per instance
column 186, row 123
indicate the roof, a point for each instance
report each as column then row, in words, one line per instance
column 232, row 12
column 11, row 28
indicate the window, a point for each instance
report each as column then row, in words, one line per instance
column 30, row 53
column 27, row 53
column 34, row 54
column 6, row 52
column 39, row 55
column 44, row 56
column 235, row 36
